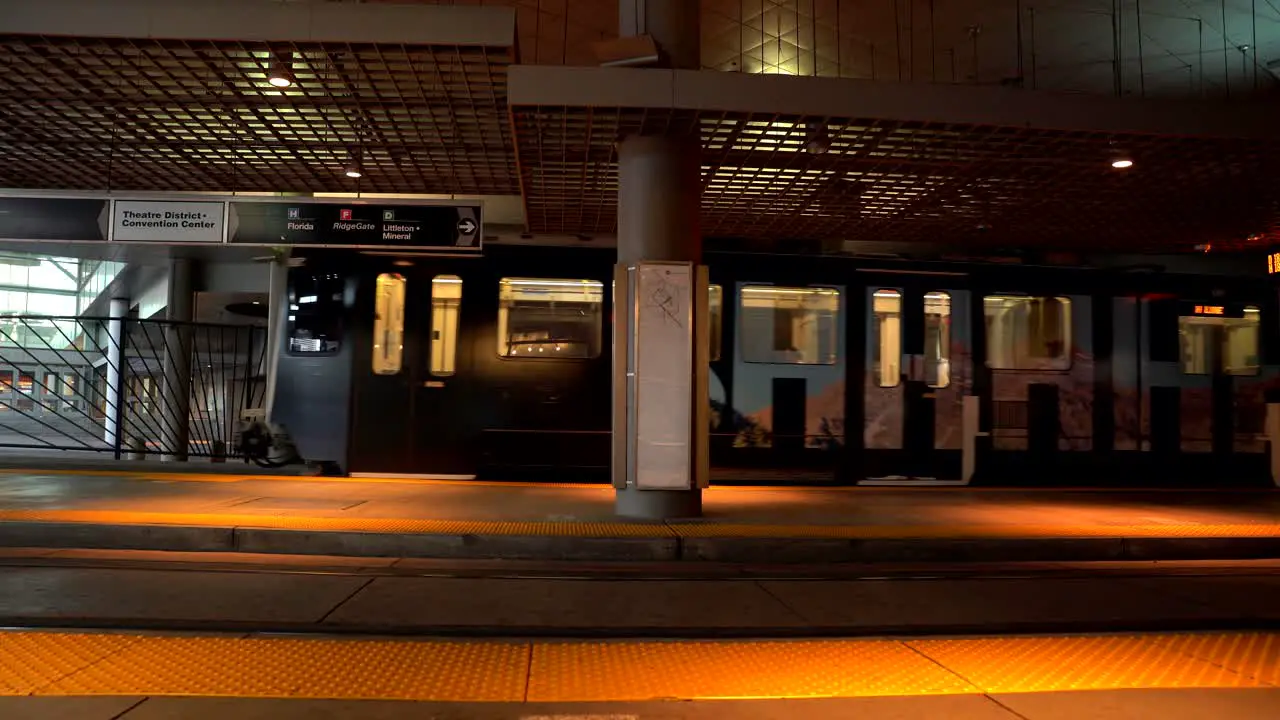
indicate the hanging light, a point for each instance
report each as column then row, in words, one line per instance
column 354, row 169
column 279, row 75
column 818, row 141
column 1120, row 160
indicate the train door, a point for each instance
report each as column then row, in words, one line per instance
column 410, row 404
column 1203, row 388
column 787, row 420
column 911, row 374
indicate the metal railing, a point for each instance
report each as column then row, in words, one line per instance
column 143, row 387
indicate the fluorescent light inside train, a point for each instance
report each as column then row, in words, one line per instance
column 755, row 290
column 554, row 283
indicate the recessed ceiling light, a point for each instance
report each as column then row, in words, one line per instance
column 353, row 171
column 1121, row 163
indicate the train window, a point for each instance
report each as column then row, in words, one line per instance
column 388, row 324
column 886, row 337
column 1212, row 344
column 937, row 339
column 315, row 314
column 1028, row 333
column 446, row 305
column 787, row 325
column 543, row 319
column 715, row 319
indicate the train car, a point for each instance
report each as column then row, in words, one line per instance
column 824, row 370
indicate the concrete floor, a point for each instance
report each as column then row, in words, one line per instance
column 353, row 498
column 186, row 591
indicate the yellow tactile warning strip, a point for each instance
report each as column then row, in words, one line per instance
column 1045, row 530
column 622, row 529
column 490, row 671
column 348, row 524
column 1080, row 663
column 276, row 667
column 232, row 477
column 637, row 671
column 29, row 661
column 1254, row 654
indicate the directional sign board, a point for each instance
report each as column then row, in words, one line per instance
column 355, row 225
column 67, row 219
column 192, row 219
column 167, row 222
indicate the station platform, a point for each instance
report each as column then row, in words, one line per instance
column 384, row 517
column 114, row 675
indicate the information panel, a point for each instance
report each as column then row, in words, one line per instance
column 664, row 368
column 68, row 219
column 355, row 225
column 167, row 222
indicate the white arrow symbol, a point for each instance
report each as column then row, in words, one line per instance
column 467, row 226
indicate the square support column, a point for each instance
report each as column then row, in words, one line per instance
column 661, row 426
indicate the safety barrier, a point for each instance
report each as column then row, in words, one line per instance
column 126, row 386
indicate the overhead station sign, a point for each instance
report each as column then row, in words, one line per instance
column 65, row 219
column 355, row 225
column 167, row 222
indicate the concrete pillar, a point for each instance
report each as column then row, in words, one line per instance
column 177, row 361
column 674, row 25
column 658, row 210
column 659, row 187
column 117, row 311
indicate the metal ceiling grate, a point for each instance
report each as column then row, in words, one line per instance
column 904, row 181
column 138, row 114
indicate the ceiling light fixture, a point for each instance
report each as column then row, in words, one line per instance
column 818, row 141
column 279, row 75
column 1119, row 159
column 353, row 171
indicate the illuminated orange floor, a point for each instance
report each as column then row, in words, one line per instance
column 636, row 530
column 35, row 663
column 388, row 505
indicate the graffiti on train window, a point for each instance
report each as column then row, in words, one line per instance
column 715, row 319
column 1028, row 333
column 388, row 324
column 1218, row 345
column 446, row 305
column 789, row 325
column 315, row 314
column 549, row 319
column 886, row 337
column 937, row 339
